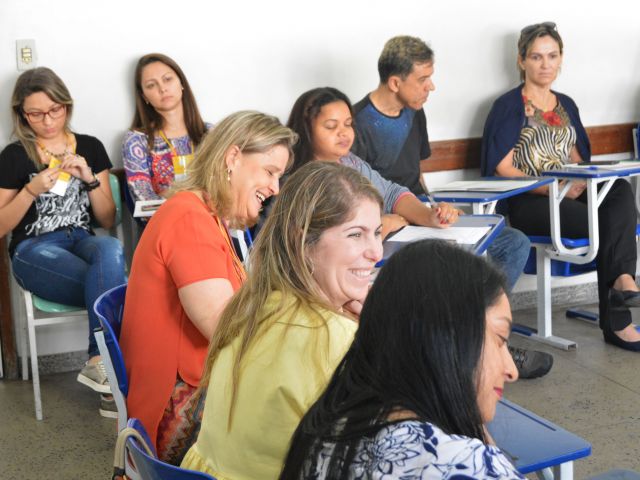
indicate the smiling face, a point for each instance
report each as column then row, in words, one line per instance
column 161, row 87
column 496, row 364
column 52, row 125
column 345, row 255
column 254, row 177
column 414, row 90
column 542, row 63
column 332, row 132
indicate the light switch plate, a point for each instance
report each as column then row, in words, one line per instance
column 26, row 56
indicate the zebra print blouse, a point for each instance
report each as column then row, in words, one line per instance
column 545, row 141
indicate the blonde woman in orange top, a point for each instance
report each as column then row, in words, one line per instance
column 185, row 270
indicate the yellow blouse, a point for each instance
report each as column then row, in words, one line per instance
column 284, row 371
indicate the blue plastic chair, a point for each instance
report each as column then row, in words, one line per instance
column 109, row 308
column 148, row 467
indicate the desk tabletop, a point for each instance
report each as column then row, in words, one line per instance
column 459, row 196
column 495, row 222
column 596, row 171
column 533, row 442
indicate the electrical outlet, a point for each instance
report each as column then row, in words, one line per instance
column 26, row 57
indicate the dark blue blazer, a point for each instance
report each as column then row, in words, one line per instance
column 505, row 121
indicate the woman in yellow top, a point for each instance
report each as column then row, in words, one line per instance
column 284, row 332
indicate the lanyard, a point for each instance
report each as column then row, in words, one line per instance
column 174, row 153
column 180, row 162
column 237, row 264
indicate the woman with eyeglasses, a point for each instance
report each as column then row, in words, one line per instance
column 54, row 184
column 533, row 128
column 166, row 128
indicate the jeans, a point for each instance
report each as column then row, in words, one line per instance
column 70, row 266
column 509, row 252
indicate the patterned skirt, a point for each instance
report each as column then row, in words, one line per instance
column 180, row 423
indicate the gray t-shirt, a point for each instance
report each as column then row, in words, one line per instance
column 390, row 191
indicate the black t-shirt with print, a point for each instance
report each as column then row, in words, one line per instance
column 51, row 212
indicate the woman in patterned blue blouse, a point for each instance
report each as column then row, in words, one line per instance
column 166, row 128
column 422, row 378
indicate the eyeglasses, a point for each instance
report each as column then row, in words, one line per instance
column 538, row 26
column 54, row 113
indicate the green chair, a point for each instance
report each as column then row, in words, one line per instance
column 40, row 312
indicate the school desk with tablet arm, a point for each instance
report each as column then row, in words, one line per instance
column 535, row 444
column 599, row 178
column 484, row 194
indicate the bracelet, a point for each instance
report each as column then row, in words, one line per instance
column 87, row 187
column 26, row 187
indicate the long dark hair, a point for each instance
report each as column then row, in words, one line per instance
column 147, row 120
column 416, row 350
column 307, row 108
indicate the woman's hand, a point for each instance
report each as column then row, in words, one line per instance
column 44, row 181
column 444, row 215
column 575, row 190
column 392, row 222
column 77, row 166
column 354, row 307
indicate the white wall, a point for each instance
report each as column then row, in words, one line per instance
column 263, row 54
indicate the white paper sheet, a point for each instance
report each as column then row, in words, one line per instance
column 483, row 186
column 146, row 208
column 620, row 166
column 462, row 235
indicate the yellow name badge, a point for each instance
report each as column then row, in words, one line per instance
column 60, row 187
column 180, row 164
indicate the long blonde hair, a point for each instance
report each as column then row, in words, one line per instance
column 251, row 132
column 41, row 79
column 318, row 196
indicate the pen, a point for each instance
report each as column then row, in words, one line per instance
column 430, row 199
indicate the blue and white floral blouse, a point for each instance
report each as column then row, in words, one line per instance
column 417, row 450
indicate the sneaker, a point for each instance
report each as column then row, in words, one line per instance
column 531, row 363
column 108, row 407
column 95, row 376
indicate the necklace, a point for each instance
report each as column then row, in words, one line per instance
column 59, row 156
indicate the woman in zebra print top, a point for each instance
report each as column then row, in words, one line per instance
column 531, row 129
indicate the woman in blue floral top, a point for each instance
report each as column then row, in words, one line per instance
column 423, row 376
column 166, row 128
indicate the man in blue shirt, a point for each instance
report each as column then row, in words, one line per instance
column 391, row 135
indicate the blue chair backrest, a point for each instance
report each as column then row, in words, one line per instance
column 109, row 308
column 151, row 468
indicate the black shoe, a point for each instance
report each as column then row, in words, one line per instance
column 622, row 299
column 531, row 363
column 613, row 339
